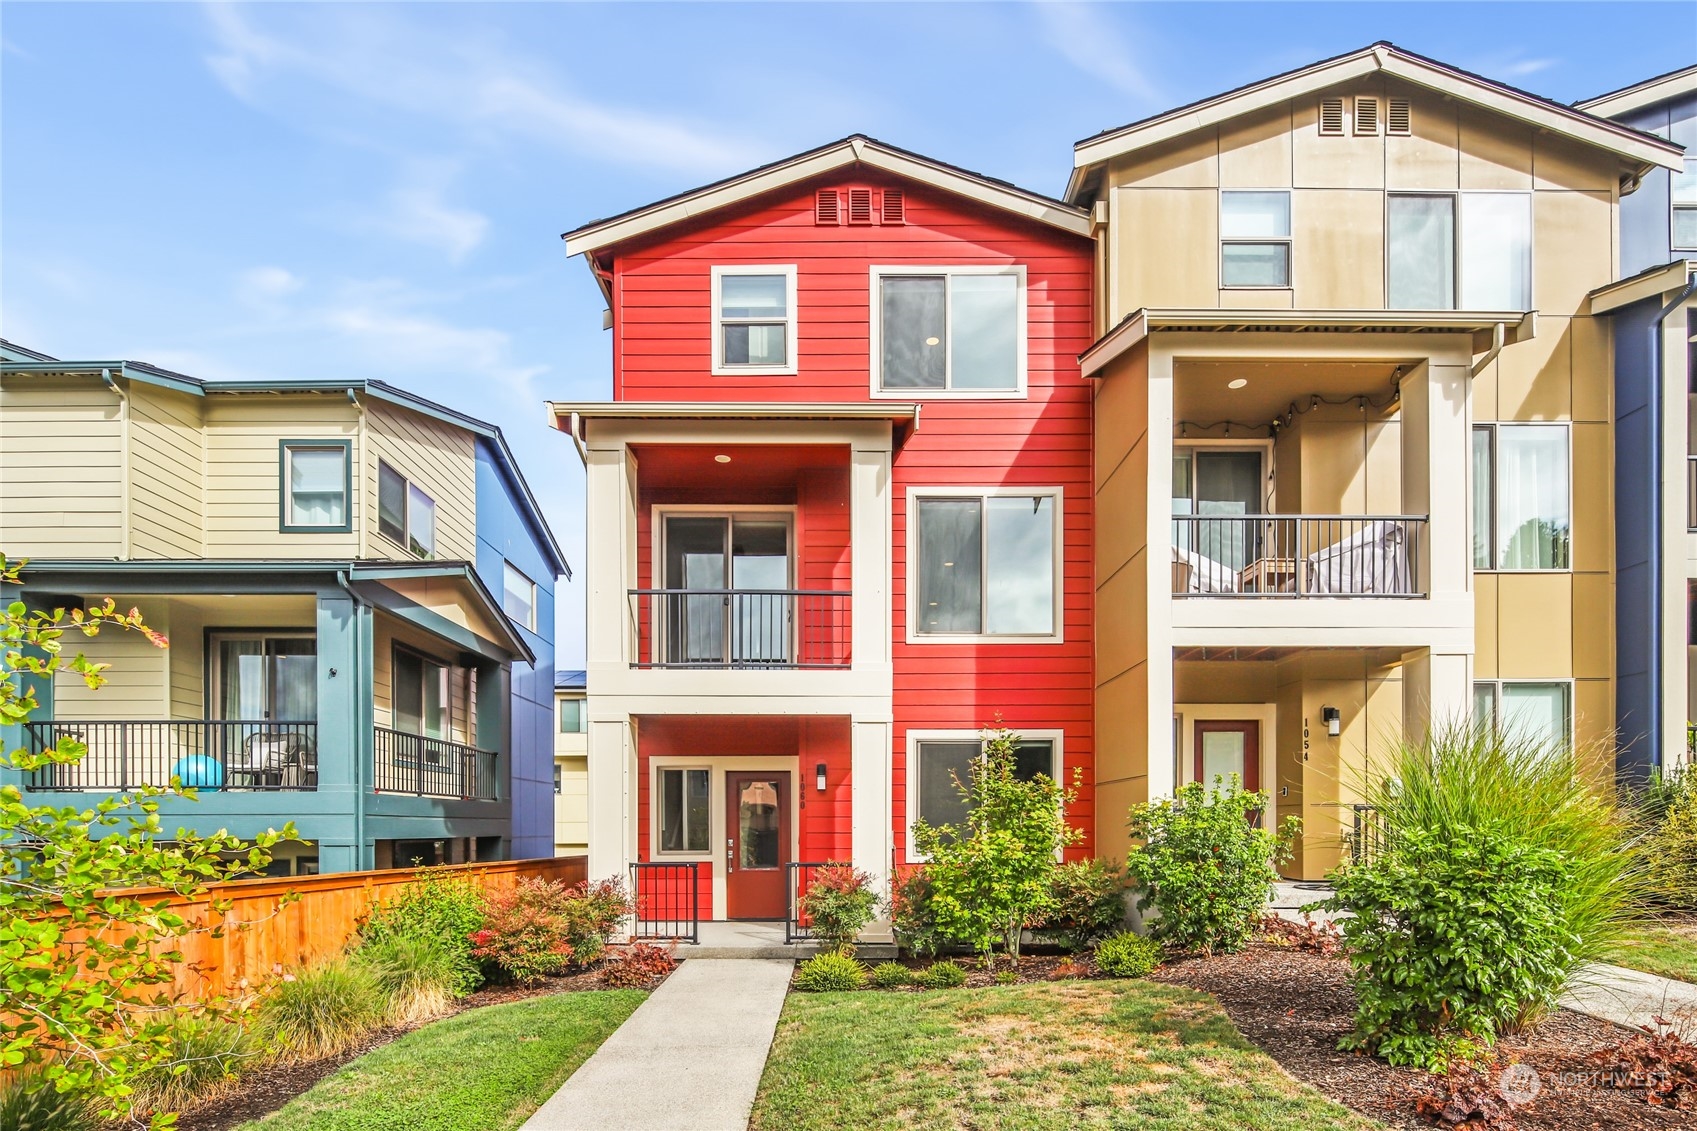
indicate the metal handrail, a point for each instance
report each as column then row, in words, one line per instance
column 421, row 766
column 798, row 877
column 751, row 629
column 666, row 898
column 1298, row 555
column 267, row 755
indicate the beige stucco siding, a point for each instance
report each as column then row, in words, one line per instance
column 441, row 460
column 61, row 469
column 244, row 473
column 167, row 457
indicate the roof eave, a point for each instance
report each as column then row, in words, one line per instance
column 1662, row 88
column 1651, row 283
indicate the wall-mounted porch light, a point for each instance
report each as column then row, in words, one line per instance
column 819, row 776
column 1333, row 719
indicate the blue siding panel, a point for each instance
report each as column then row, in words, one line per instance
column 1637, row 543
column 1645, row 225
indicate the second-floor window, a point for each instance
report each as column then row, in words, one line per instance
column 1466, row 251
column 1683, row 194
column 405, row 514
column 422, row 696
column 1255, row 239
column 518, row 597
column 948, row 330
column 984, row 564
column 754, row 320
column 316, row 485
column 1520, row 496
column 571, row 716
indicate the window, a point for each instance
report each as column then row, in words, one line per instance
column 1541, row 711
column 316, row 486
column 405, row 514
column 985, row 564
column 940, row 759
column 571, row 716
column 754, row 320
column 556, row 780
column 420, row 696
column 1255, row 239
column 684, row 824
column 1520, row 496
column 1491, row 238
column 949, row 329
column 1683, row 193
column 265, row 677
column 518, row 597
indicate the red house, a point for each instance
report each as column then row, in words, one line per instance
column 839, row 516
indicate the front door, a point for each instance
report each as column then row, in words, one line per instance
column 757, row 826
column 1225, row 747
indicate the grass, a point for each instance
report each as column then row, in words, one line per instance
column 1668, row 949
column 1031, row 1057
column 483, row 1070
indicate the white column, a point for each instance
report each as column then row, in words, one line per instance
column 1437, row 691
column 612, row 798
column 1158, row 556
column 870, row 836
column 869, row 548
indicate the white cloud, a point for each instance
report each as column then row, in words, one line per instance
column 268, row 282
column 1094, row 45
column 1527, row 67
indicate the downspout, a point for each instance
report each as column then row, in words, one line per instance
column 361, row 726
column 1657, row 493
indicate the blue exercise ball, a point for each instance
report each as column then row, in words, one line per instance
column 199, row 771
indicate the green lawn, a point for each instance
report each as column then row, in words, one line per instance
column 1668, row 949
column 482, row 1070
column 1032, row 1057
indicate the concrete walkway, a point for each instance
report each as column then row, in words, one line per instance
column 1633, row 998
column 689, row 1058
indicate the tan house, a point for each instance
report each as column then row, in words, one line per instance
column 1354, row 429
column 571, row 764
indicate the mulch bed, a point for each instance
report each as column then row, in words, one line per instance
column 1296, row 1006
column 270, row 1086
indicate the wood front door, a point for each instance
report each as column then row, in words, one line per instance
column 1228, row 746
column 757, row 827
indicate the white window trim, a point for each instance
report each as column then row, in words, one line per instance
column 1461, row 237
column 506, row 567
column 1056, row 739
column 1675, row 206
column 1473, row 519
column 713, row 796
column 582, row 714
column 1497, row 685
column 791, row 345
column 875, row 318
column 914, row 494
column 408, row 486
column 1289, row 240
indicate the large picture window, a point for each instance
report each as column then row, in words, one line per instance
column 316, row 486
column 1536, row 710
column 754, row 319
column 949, row 329
column 939, row 760
column 518, row 596
column 684, row 822
column 985, row 564
column 1470, row 250
column 1521, row 497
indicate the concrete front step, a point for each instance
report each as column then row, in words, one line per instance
column 765, row 940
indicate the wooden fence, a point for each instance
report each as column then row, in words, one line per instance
column 265, row 936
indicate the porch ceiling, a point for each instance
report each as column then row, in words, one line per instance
column 698, row 466
column 1202, row 392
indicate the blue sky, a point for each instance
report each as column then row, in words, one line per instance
column 378, row 190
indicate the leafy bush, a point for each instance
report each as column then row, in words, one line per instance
column 322, row 1010
column 1502, row 872
column 1127, row 955
column 595, row 913
column 416, row 975
column 830, row 972
column 1465, row 1097
column 1007, row 977
column 939, row 976
column 439, row 905
column 840, row 901
column 889, row 975
column 207, row 1052
column 30, row 1102
column 1086, row 901
column 1670, row 841
column 911, row 917
column 637, row 965
column 990, row 880
column 1204, row 866
column 1662, row 1063
column 1320, row 938
column 526, row 931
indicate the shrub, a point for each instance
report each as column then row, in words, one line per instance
column 207, row 1053
column 322, row 1010
column 830, row 972
column 1127, row 955
column 1320, row 938
column 1204, row 866
column 1670, row 841
column 889, row 975
column 30, row 1102
column 990, row 880
column 1086, row 901
column 1662, row 1063
column 1007, row 977
column 442, row 906
column 911, row 918
column 595, row 914
column 416, row 975
column 939, row 976
column 637, row 965
column 840, row 901
column 1502, row 872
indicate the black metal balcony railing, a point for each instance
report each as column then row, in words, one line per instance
column 1297, row 555
column 798, row 877
column 743, row 628
column 1368, row 836
column 433, row 767
column 667, row 898
column 217, row 754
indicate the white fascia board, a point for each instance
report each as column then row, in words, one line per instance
column 1647, row 93
column 731, row 410
column 1648, row 284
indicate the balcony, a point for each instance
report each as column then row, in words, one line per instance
column 1297, row 555
column 746, row 629
column 214, row 755
column 420, row 766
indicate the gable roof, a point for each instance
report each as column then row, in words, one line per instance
column 1662, row 88
column 851, row 150
column 1641, row 151
column 20, row 360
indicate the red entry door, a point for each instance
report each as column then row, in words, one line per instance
column 757, row 821
column 1228, row 747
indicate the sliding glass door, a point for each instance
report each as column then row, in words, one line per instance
column 727, row 578
column 1216, row 483
column 267, row 678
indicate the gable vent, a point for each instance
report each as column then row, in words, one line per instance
column 894, row 209
column 1366, row 115
column 1331, row 117
column 860, row 206
column 1398, row 118
column 828, row 207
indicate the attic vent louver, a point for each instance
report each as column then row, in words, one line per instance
column 1331, row 117
column 827, row 207
column 1367, row 116
column 1398, row 118
column 860, row 206
column 894, row 207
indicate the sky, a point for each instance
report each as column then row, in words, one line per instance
column 353, row 191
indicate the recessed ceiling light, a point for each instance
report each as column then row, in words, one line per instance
column 1237, row 384
column 721, row 459
column 931, row 341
